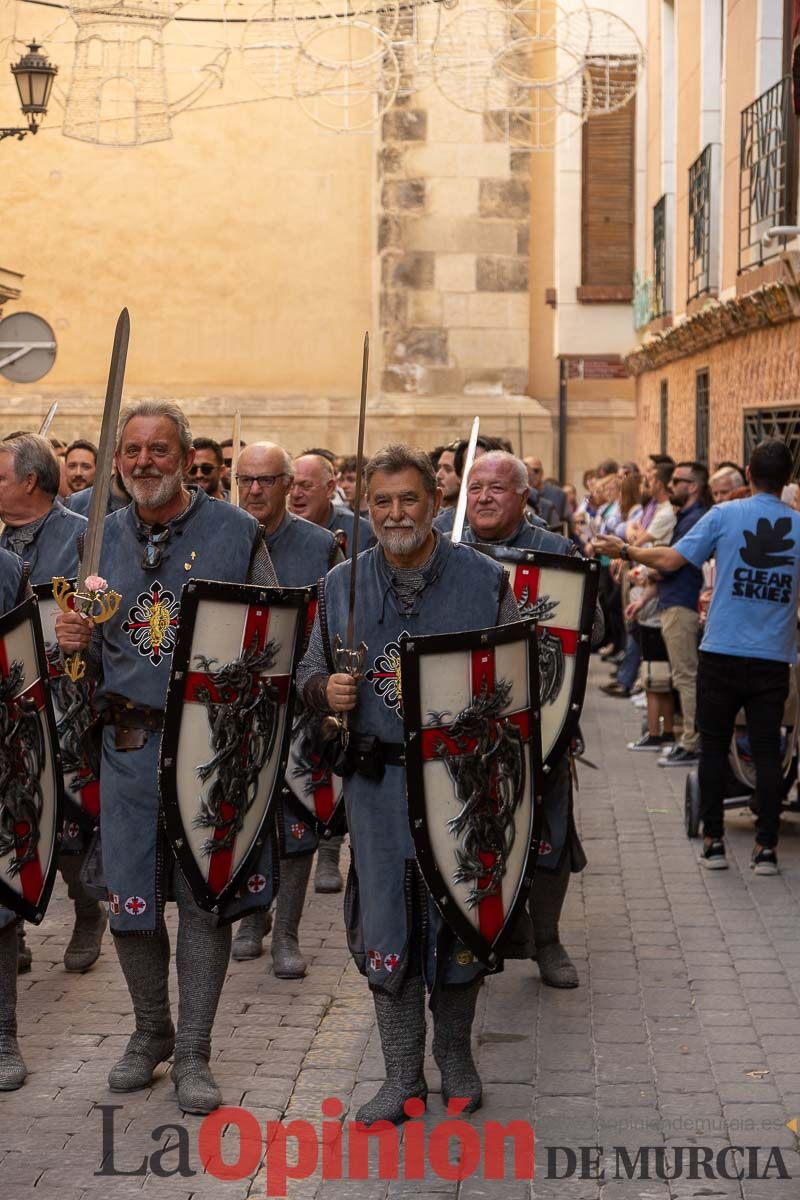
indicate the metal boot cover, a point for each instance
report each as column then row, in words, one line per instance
column 327, row 877
column 12, row 1066
column 401, row 1024
column 249, row 936
column 453, row 1015
column 287, row 961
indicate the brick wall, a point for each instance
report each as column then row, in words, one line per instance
column 759, row 370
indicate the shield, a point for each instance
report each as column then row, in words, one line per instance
column 30, row 767
column 226, row 727
column 560, row 593
column 312, row 787
column 74, row 716
column 473, row 757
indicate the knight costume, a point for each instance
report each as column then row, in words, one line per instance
column 395, row 933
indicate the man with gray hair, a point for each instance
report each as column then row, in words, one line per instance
column 45, row 535
column 413, row 581
column 302, row 553
column 724, row 482
column 169, row 534
column 497, row 492
column 312, row 496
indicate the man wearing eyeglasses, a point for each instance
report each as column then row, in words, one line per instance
column 302, row 553
column 312, row 496
column 168, row 535
column 45, row 535
column 207, row 468
column 497, row 493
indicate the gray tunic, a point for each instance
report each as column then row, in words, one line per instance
column 10, row 582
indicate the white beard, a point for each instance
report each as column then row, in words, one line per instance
column 148, row 493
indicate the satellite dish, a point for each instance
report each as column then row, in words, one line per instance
column 27, row 347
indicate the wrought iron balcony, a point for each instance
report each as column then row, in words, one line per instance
column 661, row 307
column 766, row 173
column 699, row 274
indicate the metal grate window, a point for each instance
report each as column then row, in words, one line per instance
column 783, row 423
column 701, row 417
column 699, row 276
column 766, row 169
column 660, row 301
column 664, row 398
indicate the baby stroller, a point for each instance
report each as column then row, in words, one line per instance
column 741, row 784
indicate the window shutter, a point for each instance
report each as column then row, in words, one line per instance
column 609, row 198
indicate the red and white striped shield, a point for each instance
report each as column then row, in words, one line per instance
column 560, row 593
column 226, row 728
column 473, row 757
column 30, row 770
column 74, row 715
column 311, row 783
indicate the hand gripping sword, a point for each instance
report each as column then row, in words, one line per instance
column 461, row 506
column 349, row 659
column 92, row 600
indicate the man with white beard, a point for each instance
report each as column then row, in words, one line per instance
column 168, row 535
column 413, row 581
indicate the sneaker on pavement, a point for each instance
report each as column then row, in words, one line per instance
column 614, row 689
column 713, row 857
column 639, row 700
column 678, row 757
column 652, row 741
column 764, row 861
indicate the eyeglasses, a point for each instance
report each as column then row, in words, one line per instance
column 263, row 481
column 205, row 469
column 154, row 550
column 305, row 486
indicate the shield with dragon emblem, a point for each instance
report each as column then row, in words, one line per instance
column 226, row 727
column 473, row 757
column 314, row 790
column 74, row 717
column 560, row 593
column 31, row 790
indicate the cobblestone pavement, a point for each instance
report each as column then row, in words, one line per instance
column 684, row 1033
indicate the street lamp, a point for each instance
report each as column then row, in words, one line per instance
column 33, row 75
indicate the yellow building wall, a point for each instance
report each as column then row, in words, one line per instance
column 740, row 90
column 243, row 247
column 688, row 146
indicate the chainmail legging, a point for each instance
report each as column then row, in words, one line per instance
column 202, row 955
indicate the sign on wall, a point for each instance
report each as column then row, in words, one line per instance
column 27, row 347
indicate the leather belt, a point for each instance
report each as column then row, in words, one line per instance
column 132, row 722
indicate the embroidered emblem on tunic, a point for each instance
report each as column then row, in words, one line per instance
column 113, row 903
column 152, row 623
column 135, row 906
column 385, row 677
column 375, row 960
column 256, row 884
column 297, row 830
column 390, row 962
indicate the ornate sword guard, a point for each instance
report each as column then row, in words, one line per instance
column 100, row 605
column 349, row 662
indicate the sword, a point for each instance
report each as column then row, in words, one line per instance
column 235, row 448
column 349, row 659
column 43, row 428
column 96, row 601
column 469, row 459
column 48, row 421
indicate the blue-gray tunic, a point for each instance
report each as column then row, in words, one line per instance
column 79, row 502
column 10, row 583
column 302, row 553
column 54, row 549
column 210, row 540
column 558, row 823
column 343, row 520
column 463, row 591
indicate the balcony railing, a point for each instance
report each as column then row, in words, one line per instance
column 699, row 276
column 766, row 169
column 660, row 300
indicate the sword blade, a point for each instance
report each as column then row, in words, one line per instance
column 48, row 421
column 362, row 419
column 469, row 459
column 235, row 448
column 93, row 539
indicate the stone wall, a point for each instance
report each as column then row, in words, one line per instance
column 453, row 242
column 759, row 370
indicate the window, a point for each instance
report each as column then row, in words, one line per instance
column 701, row 417
column 608, row 196
column 783, row 423
column 660, row 302
column 664, row 398
column 766, row 173
column 699, row 226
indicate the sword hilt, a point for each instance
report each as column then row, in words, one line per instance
column 99, row 606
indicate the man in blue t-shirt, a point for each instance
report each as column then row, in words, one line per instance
column 750, row 640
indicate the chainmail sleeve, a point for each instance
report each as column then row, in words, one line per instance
column 508, row 609
column 313, row 671
column 261, row 571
